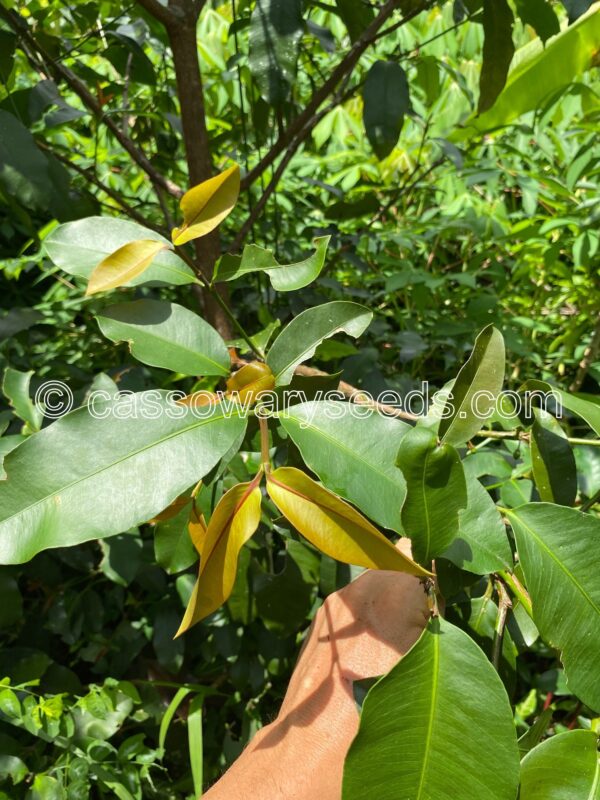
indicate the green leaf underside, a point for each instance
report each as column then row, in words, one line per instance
column 283, row 277
column 78, row 247
column 301, row 337
column 558, row 549
column 436, row 492
column 416, row 740
column 565, row 767
column 481, row 545
column 553, row 462
column 84, row 478
column 353, row 455
column 167, row 335
column 482, row 372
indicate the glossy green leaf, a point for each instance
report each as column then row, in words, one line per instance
column 588, row 411
column 565, row 767
column 437, row 727
column 86, row 477
column 206, row 205
column 540, row 15
column 300, row 338
column 276, row 27
column 353, row 451
column 539, row 72
column 558, row 552
column 78, row 247
column 283, row 277
column 436, row 491
column 481, row 545
column 475, row 389
column 333, row 526
column 553, row 462
column 167, row 335
column 173, row 545
column 386, row 101
column 15, row 386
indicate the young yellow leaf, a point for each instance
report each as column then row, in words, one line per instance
column 123, row 265
column 233, row 522
column 197, row 529
column 332, row 525
column 250, row 381
column 172, row 510
column 205, row 206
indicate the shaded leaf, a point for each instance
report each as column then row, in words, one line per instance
column 540, row 15
column 206, row 205
column 276, row 27
column 417, row 731
column 553, row 462
column 333, row 526
column 386, row 101
column 498, row 51
column 356, row 16
column 173, row 546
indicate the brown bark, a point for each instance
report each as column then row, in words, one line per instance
column 181, row 28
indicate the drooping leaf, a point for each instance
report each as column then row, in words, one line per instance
column 276, row 27
column 333, row 526
column 475, row 389
column 15, row 386
column 498, row 51
column 564, row 767
column 557, row 550
column 234, row 520
column 77, row 247
column 353, row 451
column 206, row 205
column 538, row 73
column 196, row 743
column 436, row 491
column 166, row 335
column 95, row 473
column 283, row 277
column 588, row 411
column 356, row 16
column 540, row 15
column 553, row 462
column 300, row 338
column 386, row 102
column 481, row 545
column 121, row 267
column 437, row 727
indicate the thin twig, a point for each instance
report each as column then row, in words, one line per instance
column 504, row 604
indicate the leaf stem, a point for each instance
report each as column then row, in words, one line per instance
column 264, row 443
column 519, row 591
column 504, row 604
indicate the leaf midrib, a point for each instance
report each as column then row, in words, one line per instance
column 110, row 466
column 434, row 694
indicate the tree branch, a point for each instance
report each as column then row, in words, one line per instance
column 343, row 68
column 589, row 356
column 157, row 10
column 22, row 30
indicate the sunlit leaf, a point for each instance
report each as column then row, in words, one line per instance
column 248, row 383
column 205, row 206
column 123, row 265
column 564, row 767
column 233, row 522
column 333, row 526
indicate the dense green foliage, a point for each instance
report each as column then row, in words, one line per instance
column 394, row 213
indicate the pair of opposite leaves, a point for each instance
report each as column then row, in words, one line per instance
column 204, row 207
column 328, row 522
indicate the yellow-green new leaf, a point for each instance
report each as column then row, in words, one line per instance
column 333, row 526
column 205, row 206
column 234, row 521
column 123, row 265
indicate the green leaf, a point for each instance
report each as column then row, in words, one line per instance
column 195, row 743
column 386, row 101
column 77, row 248
column 173, row 546
column 283, row 277
column 498, row 50
column 475, row 389
column 276, row 27
column 301, row 337
column 553, row 462
column 557, row 551
column 15, row 386
column 565, row 767
column 481, row 545
column 178, row 698
column 436, row 491
column 356, row 16
column 540, row 15
column 588, row 411
column 24, row 169
column 8, row 43
column 86, row 477
column 439, row 723
column 11, row 602
column 167, row 335
column 353, row 451
column 45, row 787
column 539, row 73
